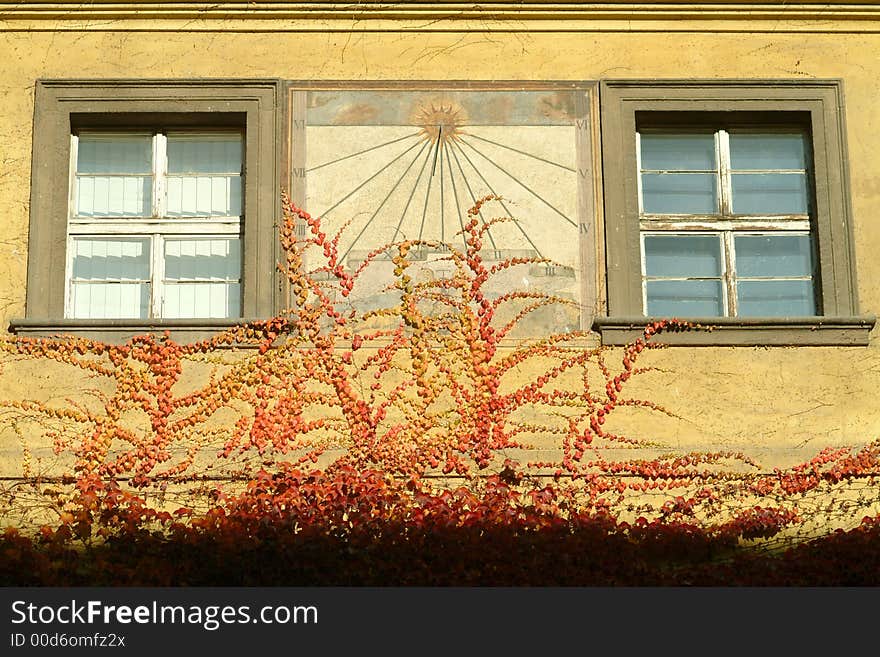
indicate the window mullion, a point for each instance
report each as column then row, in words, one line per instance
column 157, row 275
column 723, row 149
column 727, row 241
column 160, row 174
column 160, row 203
column 643, row 270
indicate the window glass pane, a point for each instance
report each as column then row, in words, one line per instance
column 671, row 152
column 679, row 193
column 111, row 259
column 114, row 196
column 204, row 175
column 684, row 299
column 202, row 259
column 202, row 278
column 204, row 153
column 204, row 196
column 769, row 193
column 110, row 300
column 676, row 256
column 775, row 299
column 110, row 278
column 184, row 300
column 767, row 151
column 773, row 255
column 116, row 154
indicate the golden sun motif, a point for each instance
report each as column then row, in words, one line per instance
column 440, row 122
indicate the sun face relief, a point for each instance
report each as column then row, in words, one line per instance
column 440, row 123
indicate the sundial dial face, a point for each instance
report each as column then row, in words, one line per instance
column 392, row 164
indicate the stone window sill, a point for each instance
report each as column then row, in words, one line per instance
column 758, row 331
column 117, row 331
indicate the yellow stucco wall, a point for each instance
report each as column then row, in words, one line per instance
column 779, row 404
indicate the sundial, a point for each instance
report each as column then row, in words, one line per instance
column 392, row 164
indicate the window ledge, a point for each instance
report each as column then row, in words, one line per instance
column 117, row 331
column 757, row 331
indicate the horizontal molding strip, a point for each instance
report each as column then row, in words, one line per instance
column 745, row 331
column 440, row 12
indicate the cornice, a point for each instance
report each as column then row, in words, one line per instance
column 372, row 15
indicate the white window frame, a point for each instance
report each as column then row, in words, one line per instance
column 156, row 227
column 724, row 223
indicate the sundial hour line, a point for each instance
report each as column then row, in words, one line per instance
column 430, row 181
column 519, row 182
column 437, row 148
column 442, row 202
column 412, row 192
column 455, row 195
column 384, row 200
column 358, row 188
column 471, row 192
column 366, row 150
column 516, row 150
column 503, row 204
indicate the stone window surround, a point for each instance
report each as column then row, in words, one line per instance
column 822, row 102
column 63, row 105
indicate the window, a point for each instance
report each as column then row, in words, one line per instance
column 726, row 203
column 725, row 224
column 153, row 206
column 154, row 225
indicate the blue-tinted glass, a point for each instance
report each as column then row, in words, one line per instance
column 674, row 256
column 202, row 259
column 684, row 299
column 775, row 299
column 679, row 193
column 113, row 300
column 114, row 154
column 767, row 151
column 668, row 152
column 776, row 255
column 204, row 154
column 769, row 193
column 111, row 259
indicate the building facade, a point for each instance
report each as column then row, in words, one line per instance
column 712, row 162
